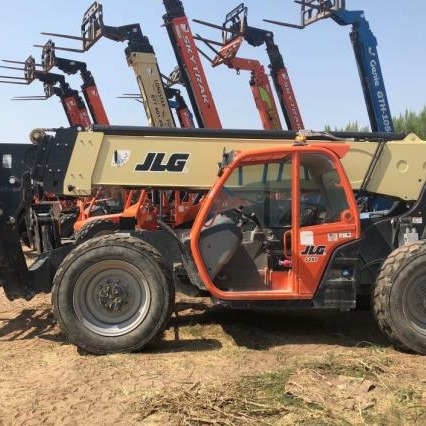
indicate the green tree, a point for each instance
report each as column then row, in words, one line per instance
column 412, row 122
column 408, row 122
column 350, row 127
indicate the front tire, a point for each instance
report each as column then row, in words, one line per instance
column 399, row 298
column 113, row 294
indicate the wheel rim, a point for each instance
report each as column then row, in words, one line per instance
column 111, row 298
column 414, row 304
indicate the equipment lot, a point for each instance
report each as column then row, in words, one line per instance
column 213, row 367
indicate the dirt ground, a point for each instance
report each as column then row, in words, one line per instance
column 213, row 367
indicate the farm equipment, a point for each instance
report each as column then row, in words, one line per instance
column 364, row 44
column 279, row 228
column 235, row 29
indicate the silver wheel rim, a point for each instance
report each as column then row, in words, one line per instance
column 111, row 298
column 414, row 304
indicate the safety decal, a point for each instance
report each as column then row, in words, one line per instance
column 120, row 157
column 343, row 235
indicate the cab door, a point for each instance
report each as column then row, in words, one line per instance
column 325, row 216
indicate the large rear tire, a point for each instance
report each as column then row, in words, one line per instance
column 95, row 228
column 399, row 298
column 113, row 294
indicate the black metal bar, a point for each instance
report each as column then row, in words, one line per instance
column 13, row 78
column 71, row 37
column 14, row 82
column 241, row 133
column 284, row 24
column 217, row 43
column 12, row 68
column 205, row 55
column 218, row 27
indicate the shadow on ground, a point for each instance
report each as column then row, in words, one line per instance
column 263, row 330
column 251, row 329
column 30, row 324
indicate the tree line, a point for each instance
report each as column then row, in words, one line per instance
column 408, row 122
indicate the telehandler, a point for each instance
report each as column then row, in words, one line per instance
column 279, row 228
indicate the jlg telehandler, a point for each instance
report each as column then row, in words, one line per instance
column 279, row 228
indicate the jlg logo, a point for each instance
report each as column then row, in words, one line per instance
column 314, row 251
column 157, row 162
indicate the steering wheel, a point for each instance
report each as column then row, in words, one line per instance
column 252, row 218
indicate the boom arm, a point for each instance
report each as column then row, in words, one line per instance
column 365, row 48
column 190, row 65
column 140, row 56
column 89, row 88
column 236, row 24
column 161, row 158
column 71, row 101
column 259, row 82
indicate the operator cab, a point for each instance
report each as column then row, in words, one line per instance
column 274, row 217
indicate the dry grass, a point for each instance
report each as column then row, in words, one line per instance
column 331, row 389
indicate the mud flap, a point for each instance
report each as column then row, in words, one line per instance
column 14, row 275
column 17, row 279
column 42, row 271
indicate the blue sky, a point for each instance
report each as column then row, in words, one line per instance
column 319, row 59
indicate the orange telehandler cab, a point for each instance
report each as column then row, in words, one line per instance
column 279, row 228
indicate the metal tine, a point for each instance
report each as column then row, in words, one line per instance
column 13, row 78
column 218, row 27
column 19, row 62
column 205, row 41
column 217, row 43
column 15, row 82
column 22, row 69
column 284, row 24
column 205, row 55
column 29, row 98
column 12, row 68
column 71, row 37
column 65, row 49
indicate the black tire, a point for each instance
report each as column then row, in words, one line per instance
column 66, row 225
column 98, row 311
column 95, row 228
column 399, row 298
